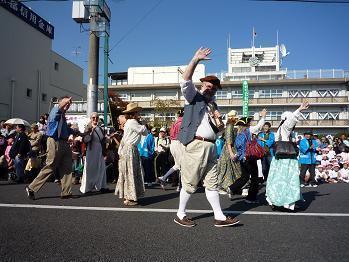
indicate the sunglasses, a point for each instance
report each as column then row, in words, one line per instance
column 95, row 117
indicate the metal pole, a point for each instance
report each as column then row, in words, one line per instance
column 92, row 87
column 106, row 55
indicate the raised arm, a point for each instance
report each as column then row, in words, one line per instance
column 188, row 88
column 200, row 54
column 290, row 122
column 255, row 129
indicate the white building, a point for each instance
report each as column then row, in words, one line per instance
column 31, row 74
column 261, row 63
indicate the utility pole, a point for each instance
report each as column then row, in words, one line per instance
column 97, row 14
column 105, row 90
column 93, row 64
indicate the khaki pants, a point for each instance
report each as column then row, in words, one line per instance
column 58, row 155
column 199, row 160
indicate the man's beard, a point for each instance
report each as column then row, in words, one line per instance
column 208, row 94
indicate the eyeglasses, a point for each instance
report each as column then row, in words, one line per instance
column 95, row 117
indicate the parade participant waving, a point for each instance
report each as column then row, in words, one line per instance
column 198, row 135
column 283, row 185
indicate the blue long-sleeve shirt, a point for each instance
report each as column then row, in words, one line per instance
column 240, row 143
column 306, row 154
column 269, row 142
column 146, row 148
column 53, row 124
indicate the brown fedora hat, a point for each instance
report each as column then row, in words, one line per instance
column 131, row 108
column 213, row 80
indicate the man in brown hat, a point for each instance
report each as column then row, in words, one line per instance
column 201, row 122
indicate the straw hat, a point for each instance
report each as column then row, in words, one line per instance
column 232, row 114
column 132, row 108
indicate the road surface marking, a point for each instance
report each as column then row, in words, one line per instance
column 160, row 210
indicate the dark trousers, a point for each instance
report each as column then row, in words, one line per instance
column 148, row 166
column 161, row 164
column 266, row 166
column 249, row 170
column 304, row 169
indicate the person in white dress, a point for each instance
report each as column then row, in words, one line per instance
column 94, row 175
column 130, row 185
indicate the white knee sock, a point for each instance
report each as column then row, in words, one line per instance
column 169, row 172
column 213, row 198
column 183, row 200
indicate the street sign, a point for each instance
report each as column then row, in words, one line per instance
column 245, row 98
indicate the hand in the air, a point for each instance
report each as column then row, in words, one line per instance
column 202, row 54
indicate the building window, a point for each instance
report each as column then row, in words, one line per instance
column 273, row 115
column 44, row 97
column 146, row 116
column 270, row 93
column 166, row 116
column 123, row 97
column 56, row 66
column 29, row 92
column 221, row 94
column 238, row 94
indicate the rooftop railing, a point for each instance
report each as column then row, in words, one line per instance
column 285, row 74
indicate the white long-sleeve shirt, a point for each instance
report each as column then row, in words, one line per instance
column 204, row 130
column 287, row 127
column 133, row 132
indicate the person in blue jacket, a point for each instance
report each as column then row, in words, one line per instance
column 308, row 147
column 266, row 139
column 146, row 148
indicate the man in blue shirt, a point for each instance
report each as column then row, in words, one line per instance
column 267, row 140
column 146, row 149
column 308, row 147
column 59, row 154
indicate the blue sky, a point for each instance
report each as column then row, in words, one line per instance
column 317, row 35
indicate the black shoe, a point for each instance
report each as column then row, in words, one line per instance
column 30, row 193
column 105, row 190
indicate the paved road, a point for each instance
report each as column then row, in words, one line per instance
column 80, row 230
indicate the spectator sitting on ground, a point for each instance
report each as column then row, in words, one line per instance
column 344, row 172
column 321, row 174
column 334, row 174
column 331, row 152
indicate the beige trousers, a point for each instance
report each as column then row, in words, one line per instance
column 58, row 155
column 198, row 162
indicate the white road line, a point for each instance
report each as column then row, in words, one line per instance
column 160, row 210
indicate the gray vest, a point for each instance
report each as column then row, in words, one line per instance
column 191, row 119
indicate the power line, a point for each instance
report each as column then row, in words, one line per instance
column 136, row 25
column 304, row 1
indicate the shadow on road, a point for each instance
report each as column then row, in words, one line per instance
column 309, row 197
column 156, row 199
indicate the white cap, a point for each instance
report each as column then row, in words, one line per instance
column 162, row 129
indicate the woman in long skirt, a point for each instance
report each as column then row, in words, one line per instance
column 283, row 183
column 94, row 175
column 229, row 169
column 130, row 185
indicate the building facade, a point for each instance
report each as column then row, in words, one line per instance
column 31, row 73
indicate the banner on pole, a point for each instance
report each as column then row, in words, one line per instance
column 245, row 98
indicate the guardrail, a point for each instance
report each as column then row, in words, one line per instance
column 288, row 74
